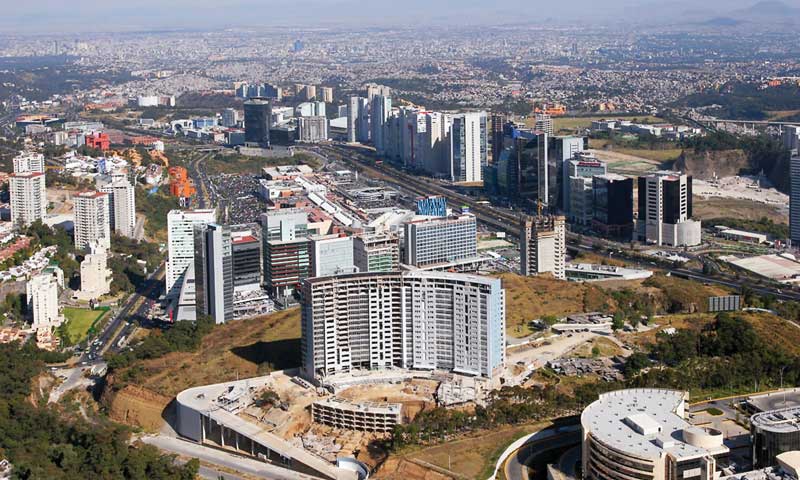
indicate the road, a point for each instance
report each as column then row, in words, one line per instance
column 208, row 455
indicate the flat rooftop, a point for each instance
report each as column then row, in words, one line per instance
column 644, row 422
column 776, row 267
column 784, row 420
column 781, row 399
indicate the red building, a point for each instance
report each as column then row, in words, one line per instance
column 99, row 141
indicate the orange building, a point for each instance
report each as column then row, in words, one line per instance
column 99, row 141
column 180, row 185
column 552, row 110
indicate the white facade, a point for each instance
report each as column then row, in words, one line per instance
column 180, row 243
column 95, row 274
column 665, row 200
column 436, row 241
column 331, row 255
column 122, row 206
column 42, row 294
column 230, row 117
column 92, row 220
column 413, row 320
column 312, row 129
column 794, row 200
column 353, row 111
column 28, row 198
column 468, row 141
column 29, row 162
column 543, row 246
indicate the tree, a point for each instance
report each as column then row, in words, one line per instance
column 618, row 322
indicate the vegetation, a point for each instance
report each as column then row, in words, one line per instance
column 268, row 398
column 155, row 208
column 746, row 101
column 234, row 163
column 126, row 264
column 79, row 324
column 762, row 225
column 42, row 444
column 45, row 236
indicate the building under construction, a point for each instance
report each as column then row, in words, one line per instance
column 180, row 185
column 543, row 245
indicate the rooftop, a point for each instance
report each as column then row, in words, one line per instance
column 783, row 420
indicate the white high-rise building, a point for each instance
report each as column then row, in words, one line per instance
column 312, row 129
column 353, row 111
column 330, row 255
column 413, row 320
column 794, row 200
column 543, row 246
column 29, row 162
column 42, row 294
column 122, row 205
column 230, row 117
column 92, row 220
column 468, row 152
column 28, row 198
column 437, row 242
column 381, row 109
column 213, row 269
column 665, row 210
column 374, row 90
column 95, row 274
column 180, row 244
column 363, row 123
column 544, row 123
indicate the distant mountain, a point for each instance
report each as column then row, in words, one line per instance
column 768, row 9
column 722, row 22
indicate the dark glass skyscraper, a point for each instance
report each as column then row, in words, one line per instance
column 257, row 120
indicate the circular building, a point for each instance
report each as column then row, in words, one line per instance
column 774, row 432
column 641, row 434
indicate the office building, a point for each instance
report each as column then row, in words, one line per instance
column 122, row 204
column 434, row 242
column 312, row 129
column 95, row 274
column 378, row 91
column 498, row 136
column 247, row 249
column 28, row 198
column 665, row 210
column 331, row 255
column 180, row 245
column 774, row 432
column 376, row 252
column 257, row 121
column 412, row 320
column 544, row 123
column 790, row 137
column 642, row 434
column 286, row 251
column 613, row 206
column 230, row 117
column 213, row 270
column 353, row 111
column 309, row 92
column 311, row 109
column 42, row 293
column 794, row 200
column 29, row 162
column 92, row 220
column 326, row 94
column 560, row 150
column 543, row 246
column 435, row 206
column 468, row 152
column 363, row 123
column 381, row 110
column 578, row 201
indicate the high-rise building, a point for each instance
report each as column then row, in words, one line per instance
column 413, row 320
column 353, row 111
column 257, row 121
column 28, row 198
column 794, row 200
column 433, row 242
column 543, row 246
column 581, row 207
column 213, row 269
column 376, row 252
column 230, row 117
column 180, row 244
column 790, row 137
column 42, row 295
column 363, row 123
column 468, row 152
column 665, row 210
column 286, row 250
column 544, row 123
column 381, row 109
column 613, row 206
column 312, row 129
column 561, row 150
column 29, row 162
column 247, row 257
column 92, row 220
column 327, row 94
column 498, row 136
column 378, row 91
column 331, row 255
column 580, row 167
column 310, row 92
column 122, row 204
column 95, row 274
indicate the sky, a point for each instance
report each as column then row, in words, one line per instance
column 56, row 16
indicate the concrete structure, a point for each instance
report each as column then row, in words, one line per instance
column 782, row 267
column 208, row 415
column 579, row 171
column 543, row 246
column 28, row 198
column 544, row 123
column 326, row 94
column 741, row 235
column 42, row 292
column 774, row 432
column 257, row 122
column 411, row 320
column 312, row 129
column 642, row 434
column 180, row 244
column 92, row 220
column 331, row 255
column 440, row 240
column 247, row 258
column 213, row 269
column 589, row 272
column 381, row 109
column 790, row 137
column 665, row 210
column 122, row 205
column 286, row 255
column 469, row 147
column 361, row 416
column 353, row 112
column 230, row 117
column 95, row 274
column 376, row 252
column 29, row 162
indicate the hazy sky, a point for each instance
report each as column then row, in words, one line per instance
column 104, row 15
